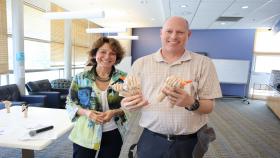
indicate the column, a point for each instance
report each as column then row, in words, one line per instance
column 67, row 49
column 18, row 44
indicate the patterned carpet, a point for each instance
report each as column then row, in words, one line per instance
column 243, row 131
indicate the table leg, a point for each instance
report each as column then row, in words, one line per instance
column 25, row 153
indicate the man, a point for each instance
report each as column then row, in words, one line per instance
column 174, row 132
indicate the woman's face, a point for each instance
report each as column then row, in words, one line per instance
column 105, row 56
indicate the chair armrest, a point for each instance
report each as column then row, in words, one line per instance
column 18, row 103
column 35, row 100
column 14, row 103
column 61, row 90
column 48, row 93
column 2, row 105
column 53, row 98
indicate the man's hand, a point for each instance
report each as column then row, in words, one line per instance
column 177, row 96
column 134, row 102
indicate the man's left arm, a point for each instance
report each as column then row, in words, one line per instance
column 206, row 106
column 179, row 97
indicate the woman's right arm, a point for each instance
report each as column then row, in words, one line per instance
column 75, row 110
column 72, row 106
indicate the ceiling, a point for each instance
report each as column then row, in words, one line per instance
column 202, row 14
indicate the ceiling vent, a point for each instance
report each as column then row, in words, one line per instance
column 229, row 18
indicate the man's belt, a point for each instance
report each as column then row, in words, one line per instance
column 173, row 137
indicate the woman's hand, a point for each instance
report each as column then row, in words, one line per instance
column 96, row 116
column 100, row 117
column 107, row 115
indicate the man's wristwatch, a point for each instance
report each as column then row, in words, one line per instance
column 194, row 106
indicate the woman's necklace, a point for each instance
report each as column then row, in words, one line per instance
column 102, row 79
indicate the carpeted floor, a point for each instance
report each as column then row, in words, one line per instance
column 243, row 131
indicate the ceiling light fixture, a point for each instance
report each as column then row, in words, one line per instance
column 122, row 37
column 106, row 30
column 183, row 6
column 75, row 15
column 245, row 7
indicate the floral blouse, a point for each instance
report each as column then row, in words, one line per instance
column 84, row 94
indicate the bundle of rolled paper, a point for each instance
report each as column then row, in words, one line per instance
column 130, row 87
column 172, row 81
column 24, row 108
column 8, row 105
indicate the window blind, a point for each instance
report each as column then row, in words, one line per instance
column 3, row 39
column 81, row 41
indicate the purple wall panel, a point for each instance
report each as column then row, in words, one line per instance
column 223, row 44
column 149, row 41
column 218, row 44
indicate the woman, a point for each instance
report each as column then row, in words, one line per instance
column 94, row 106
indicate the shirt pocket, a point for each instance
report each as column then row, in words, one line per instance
column 84, row 96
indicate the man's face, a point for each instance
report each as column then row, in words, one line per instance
column 174, row 35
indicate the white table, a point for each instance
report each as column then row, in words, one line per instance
column 11, row 123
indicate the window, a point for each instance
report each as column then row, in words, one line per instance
column 35, row 25
column 37, row 54
column 43, row 42
column 267, row 42
column 36, row 38
column 266, row 51
column 266, row 63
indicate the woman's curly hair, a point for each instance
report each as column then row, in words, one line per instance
column 115, row 46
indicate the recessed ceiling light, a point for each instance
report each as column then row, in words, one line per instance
column 153, row 19
column 245, row 7
column 183, row 6
column 223, row 23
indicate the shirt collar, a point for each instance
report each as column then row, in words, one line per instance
column 185, row 57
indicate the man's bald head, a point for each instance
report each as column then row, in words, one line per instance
column 174, row 35
column 178, row 19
